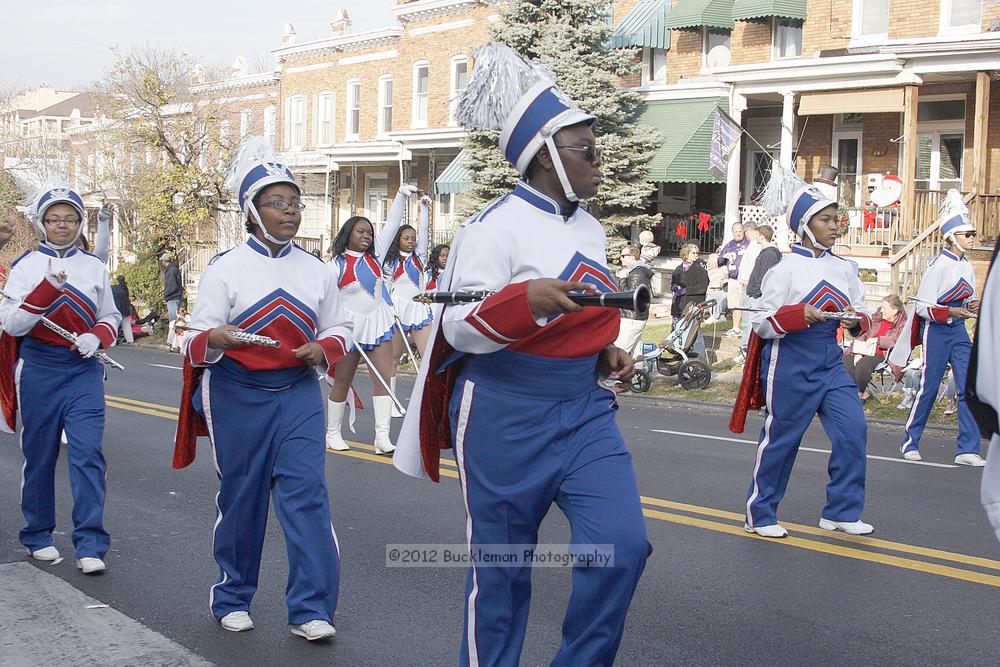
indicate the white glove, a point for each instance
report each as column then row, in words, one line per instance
column 104, row 215
column 425, row 201
column 87, row 345
column 57, row 280
column 408, row 190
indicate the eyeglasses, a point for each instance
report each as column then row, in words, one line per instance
column 590, row 153
column 70, row 222
column 282, row 205
column 971, row 235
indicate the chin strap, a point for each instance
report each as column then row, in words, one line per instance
column 263, row 230
column 560, row 171
column 812, row 237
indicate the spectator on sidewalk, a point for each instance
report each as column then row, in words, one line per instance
column 123, row 302
column 731, row 256
column 689, row 282
column 718, row 276
column 638, row 273
column 762, row 254
column 173, row 291
column 867, row 353
column 649, row 250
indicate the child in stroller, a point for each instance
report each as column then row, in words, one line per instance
column 675, row 354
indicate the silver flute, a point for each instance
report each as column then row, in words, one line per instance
column 243, row 337
column 68, row 335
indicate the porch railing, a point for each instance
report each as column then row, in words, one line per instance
column 198, row 258
column 870, row 231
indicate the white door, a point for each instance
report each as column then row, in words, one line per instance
column 377, row 200
column 758, row 172
column 847, row 158
column 939, row 160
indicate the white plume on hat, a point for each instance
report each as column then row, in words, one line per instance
column 499, row 79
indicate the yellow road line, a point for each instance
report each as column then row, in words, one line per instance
column 834, row 549
column 168, row 412
column 860, row 540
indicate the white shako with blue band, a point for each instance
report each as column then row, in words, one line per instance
column 954, row 215
column 807, row 202
column 256, row 167
column 52, row 193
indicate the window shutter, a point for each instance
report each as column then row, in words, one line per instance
column 287, row 124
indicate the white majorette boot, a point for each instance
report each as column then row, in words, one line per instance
column 383, row 418
column 392, row 385
column 334, row 418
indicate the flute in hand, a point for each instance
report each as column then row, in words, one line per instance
column 68, row 335
column 242, row 336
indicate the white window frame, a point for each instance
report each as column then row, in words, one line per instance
column 648, row 76
column 704, row 47
column 945, row 27
column 377, row 221
column 838, row 134
column 245, row 122
column 453, row 89
column 271, row 125
column 856, row 36
column 384, row 131
column 415, row 120
column 296, row 123
column 353, row 103
column 325, row 112
column 224, row 138
column 774, row 38
column 939, row 127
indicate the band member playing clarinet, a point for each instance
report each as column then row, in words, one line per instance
column 262, row 405
column 512, row 381
column 57, row 383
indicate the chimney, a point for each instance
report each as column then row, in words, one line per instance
column 239, row 68
column 288, row 35
column 341, row 23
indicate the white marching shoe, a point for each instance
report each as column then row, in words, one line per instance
column 974, row 460
column 849, row 527
column 774, row 530
column 91, row 565
column 396, row 414
column 313, row 630
column 912, row 455
column 334, row 419
column 236, row 621
column 47, row 554
column 383, row 418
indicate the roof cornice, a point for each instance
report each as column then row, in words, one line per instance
column 429, row 9
column 349, row 42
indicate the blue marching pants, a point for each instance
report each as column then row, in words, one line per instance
column 58, row 389
column 803, row 375
column 528, row 431
column 267, row 430
column 943, row 343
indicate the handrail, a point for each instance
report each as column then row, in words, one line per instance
column 919, row 238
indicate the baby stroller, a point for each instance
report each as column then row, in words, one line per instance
column 673, row 356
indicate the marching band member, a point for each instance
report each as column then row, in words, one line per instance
column 403, row 269
column 983, row 388
column 437, row 262
column 57, row 384
column 357, row 265
column 512, row 382
column 943, row 303
column 262, row 407
column 794, row 365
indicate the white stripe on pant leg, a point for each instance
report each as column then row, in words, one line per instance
column 206, row 400
column 766, row 440
column 463, row 422
column 920, row 391
column 20, row 438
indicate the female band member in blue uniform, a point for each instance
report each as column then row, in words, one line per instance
column 58, row 384
column 944, row 301
column 800, row 373
column 512, row 384
column 262, row 406
column 358, row 268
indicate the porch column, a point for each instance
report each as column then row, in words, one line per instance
column 979, row 133
column 737, row 104
column 909, row 175
column 787, row 130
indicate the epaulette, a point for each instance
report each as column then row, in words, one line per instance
column 489, row 208
column 23, row 255
column 212, row 261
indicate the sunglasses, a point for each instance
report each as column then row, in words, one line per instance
column 966, row 234
column 590, row 153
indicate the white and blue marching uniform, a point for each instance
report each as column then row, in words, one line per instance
column 802, row 375
column 264, row 413
column 949, row 282
column 407, row 278
column 57, row 389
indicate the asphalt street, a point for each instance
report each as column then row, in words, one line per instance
column 924, row 590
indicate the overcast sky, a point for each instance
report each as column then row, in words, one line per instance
column 67, row 44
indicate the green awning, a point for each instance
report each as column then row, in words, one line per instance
column 686, row 128
column 697, row 14
column 748, row 10
column 643, row 26
column 455, row 178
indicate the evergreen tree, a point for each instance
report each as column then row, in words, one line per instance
column 570, row 37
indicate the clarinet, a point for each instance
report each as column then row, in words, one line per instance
column 243, row 337
column 69, row 335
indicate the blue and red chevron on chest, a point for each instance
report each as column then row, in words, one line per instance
column 279, row 311
column 363, row 270
column 583, row 269
column 959, row 293
column 828, row 298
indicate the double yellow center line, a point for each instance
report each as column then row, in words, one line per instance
column 949, row 564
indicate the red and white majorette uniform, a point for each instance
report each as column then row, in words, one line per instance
column 407, row 278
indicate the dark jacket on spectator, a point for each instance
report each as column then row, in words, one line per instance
column 638, row 274
column 767, row 258
column 688, row 285
column 173, row 290
column 122, row 300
